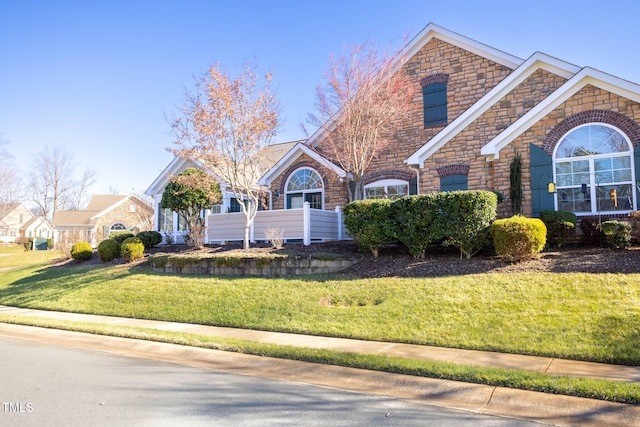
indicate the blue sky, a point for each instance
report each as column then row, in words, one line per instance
column 99, row 77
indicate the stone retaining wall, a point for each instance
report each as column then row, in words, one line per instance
column 274, row 267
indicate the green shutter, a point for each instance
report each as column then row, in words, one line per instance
column 636, row 159
column 434, row 98
column 453, row 183
column 541, row 174
column 413, row 185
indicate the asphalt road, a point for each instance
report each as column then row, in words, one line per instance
column 42, row 384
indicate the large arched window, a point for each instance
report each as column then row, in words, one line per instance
column 304, row 185
column 593, row 170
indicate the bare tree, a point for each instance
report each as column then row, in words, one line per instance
column 80, row 196
column 53, row 184
column 365, row 98
column 12, row 189
column 225, row 125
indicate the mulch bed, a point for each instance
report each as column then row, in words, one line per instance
column 396, row 262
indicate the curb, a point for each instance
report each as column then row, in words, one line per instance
column 481, row 399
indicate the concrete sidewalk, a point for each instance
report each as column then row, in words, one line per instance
column 549, row 409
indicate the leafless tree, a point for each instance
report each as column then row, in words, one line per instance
column 53, row 184
column 12, row 188
column 365, row 97
column 225, row 125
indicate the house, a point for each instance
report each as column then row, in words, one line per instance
column 17, row 223
column 38, row 229
column 171, row 225
column 576, row 129
column 104, row 214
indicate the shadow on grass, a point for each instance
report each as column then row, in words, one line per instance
column 48, row 284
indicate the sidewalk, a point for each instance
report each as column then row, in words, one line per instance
column 557, row 410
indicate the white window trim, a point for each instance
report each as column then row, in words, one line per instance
column 385, row 183
column 592, row 184
column 303, row 192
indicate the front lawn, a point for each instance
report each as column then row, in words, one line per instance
column 570, row 315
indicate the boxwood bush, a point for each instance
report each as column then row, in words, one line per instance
column 108, row 250
column 619, row 233
column 121, row 236
column 370, row 223
column 132, row 249
column 81, row 251
column 458, row 218
column 518, row 238
column 561, row 226
column 149, row 238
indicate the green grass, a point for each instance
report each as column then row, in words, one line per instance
column 593, row 317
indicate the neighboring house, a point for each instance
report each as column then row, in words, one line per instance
column 104, row 214
column 476, row 108
column 17, row 222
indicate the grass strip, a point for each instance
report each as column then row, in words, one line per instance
column 615, row 391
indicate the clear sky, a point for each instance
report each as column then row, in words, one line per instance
column 98, row 77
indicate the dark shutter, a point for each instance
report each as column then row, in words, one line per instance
column 453, row 183
column 413, row 185
column 541, row 175
column 636, row 159
column 434, row 98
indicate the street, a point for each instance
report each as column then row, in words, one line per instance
column 43, row 384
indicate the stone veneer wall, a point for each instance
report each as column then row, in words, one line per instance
column 122, row 214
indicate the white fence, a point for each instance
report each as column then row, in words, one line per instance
column 304, row 224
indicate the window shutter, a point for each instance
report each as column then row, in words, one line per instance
column 636, row 160
column 413, row 185
column 453, row 183
column 434, row 98
column 541, row 174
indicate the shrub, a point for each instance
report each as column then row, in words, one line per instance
column 121, row 236
column 464, row 219
column 416, row 218
column 81, row 251
column 132, row 249
column 518, row 238
column 561, row 226
column 149, row 238
column 370, row 223
column 275, row 236
column 619, row 233
column 591, row 227
column 108, row 250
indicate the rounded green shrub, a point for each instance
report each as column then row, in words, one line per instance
column 370, row 223
column 561, row 226
column 81, row 251
column 518, row 238
column 619, row 233
column 149, row 238
column 121, row 236
column 132, row 249
column 108, row 250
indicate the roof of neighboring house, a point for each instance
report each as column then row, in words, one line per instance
column 35, row 221
column 98, row 206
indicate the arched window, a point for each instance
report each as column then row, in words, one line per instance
column 593, row 170
column 117, row 227
column 386, row 189
column 304, row 185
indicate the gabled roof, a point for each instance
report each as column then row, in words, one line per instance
column 35, row 221
column 6, row 209
column 586, row 76
column 430, row 32
column 536, row 62
column 291, row 156
column 98, row 206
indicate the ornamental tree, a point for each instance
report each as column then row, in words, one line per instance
column 365, row 98
column 188, row 194
column 226, row 124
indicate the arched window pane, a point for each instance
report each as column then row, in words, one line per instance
column 304, row 179
column 593, row 169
